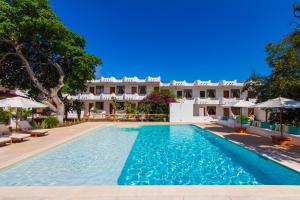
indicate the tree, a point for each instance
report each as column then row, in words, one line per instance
column 157, row 102
column 39, row 54
column 284, row 59
column 254, row 85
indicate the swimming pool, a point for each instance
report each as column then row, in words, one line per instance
column 149, row 155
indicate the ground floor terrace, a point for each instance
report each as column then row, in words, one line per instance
column 10, row 154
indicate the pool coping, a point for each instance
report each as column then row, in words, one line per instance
column 212, row 192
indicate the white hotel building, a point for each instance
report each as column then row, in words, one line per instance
column 205, row 98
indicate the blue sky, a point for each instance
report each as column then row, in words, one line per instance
column 178, row 39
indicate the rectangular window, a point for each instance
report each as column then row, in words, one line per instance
column 235, row 111
column 179, row 94
column 112, row 90
column 142, row 90
column 226, row 94
column 211, row 110
column 188, row 93
column 211, row 93
column 99, row 106
column 92, row 90
column 99, row 89
column 202, row 94
column 133, row 90
column 120, row 90
column 235, row 93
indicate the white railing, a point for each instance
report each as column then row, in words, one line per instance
column 108, row 97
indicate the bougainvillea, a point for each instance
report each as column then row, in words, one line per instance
column 157, row 102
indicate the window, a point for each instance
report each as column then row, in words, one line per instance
column 179, row 94
column 92, row 90
column 120, row 89
column 99, row 106
column 99, row 89
column 112, row 90
column 188, row 93
column 211, row 110
column 211, row 93
column 226, row 94
column 235, row 111
column 156, row 89
column 202, row 94
column 235, row 93
column 133, row 90
column 142, row 90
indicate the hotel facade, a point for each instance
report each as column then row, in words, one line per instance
column 206, row 97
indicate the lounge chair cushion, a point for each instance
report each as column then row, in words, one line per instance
column 4, row 130
column 5, row 139
column 24, row 125
column 19, row 136
column 38, row 131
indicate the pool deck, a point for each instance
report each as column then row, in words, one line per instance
column 14, row 153
column 286, row 155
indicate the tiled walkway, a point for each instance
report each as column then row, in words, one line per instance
column 287, row 155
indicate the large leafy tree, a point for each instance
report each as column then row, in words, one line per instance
column 284, row 59
column 39, row 54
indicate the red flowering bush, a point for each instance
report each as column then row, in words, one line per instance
column 157, row 102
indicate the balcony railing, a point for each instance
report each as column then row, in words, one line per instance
column 107, row 97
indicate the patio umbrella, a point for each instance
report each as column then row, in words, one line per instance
column 279, row 103
column 3, row 105
column 242, row 104
column 21, row 102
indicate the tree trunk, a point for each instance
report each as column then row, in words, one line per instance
column 60, row 107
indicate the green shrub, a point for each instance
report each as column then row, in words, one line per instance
column 49, row 122
column 5, row 116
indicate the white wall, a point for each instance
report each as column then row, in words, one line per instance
column 183, row 112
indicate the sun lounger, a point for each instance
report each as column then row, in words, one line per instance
column 15, row 137
column 5, row 140
column 27, row 128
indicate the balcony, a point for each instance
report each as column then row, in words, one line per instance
column 108, row 97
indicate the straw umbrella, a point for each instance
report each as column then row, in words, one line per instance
column 242, row 104
column 279, row 103
column 21, row 102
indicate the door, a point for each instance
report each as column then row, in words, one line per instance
column 110, row 109
column 112, row 90
column 226, row 112
column 226, row 93
column 201, row 111
column 133, row 90
column 91, row 105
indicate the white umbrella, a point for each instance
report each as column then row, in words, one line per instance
column 242, row 104
column 21, row 102
column 281, row 103
column 3, row 105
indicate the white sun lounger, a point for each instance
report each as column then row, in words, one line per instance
column 27, row 128
column 15, row 137
column 4, row 140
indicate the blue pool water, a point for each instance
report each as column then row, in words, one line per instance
column 149, row 155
